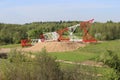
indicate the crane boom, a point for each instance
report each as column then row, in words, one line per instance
column 86, row 36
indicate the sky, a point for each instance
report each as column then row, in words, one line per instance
column 27, row 11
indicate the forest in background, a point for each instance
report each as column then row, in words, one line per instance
column 13, row 33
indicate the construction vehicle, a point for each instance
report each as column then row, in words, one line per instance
column 85, row 27
column 25, row 42
column 58, row 35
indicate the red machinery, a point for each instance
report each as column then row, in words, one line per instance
column 60, row 32
column 86, row 36
column 58, row 35
column 42, row 37
column 25, row 42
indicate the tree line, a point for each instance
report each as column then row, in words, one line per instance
column 13, row 33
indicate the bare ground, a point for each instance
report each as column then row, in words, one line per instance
column 55, row 46
column 4, row 50
column 87, row 63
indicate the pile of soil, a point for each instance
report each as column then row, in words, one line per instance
column 4, row 50
column 54, row 46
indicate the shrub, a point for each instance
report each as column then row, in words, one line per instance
column 113, row 61
column 42, row 67
column 18, row 67
column 47, row 68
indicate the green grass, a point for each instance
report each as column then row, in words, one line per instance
column 10, row 46
column 103, row 71
column 101, row 47
column 89, row 52
column 74, row 56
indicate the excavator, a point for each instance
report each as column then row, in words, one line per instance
column 25, row 42
column 85, row 27
column 58, row 35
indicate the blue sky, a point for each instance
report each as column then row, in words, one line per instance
column 26, row 11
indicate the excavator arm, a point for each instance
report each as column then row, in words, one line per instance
column 86, row 36
column 60, row 32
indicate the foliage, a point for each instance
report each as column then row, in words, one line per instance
column 89, row 52
column 106, row 31
column 13, row 33
column 112, row 60
column 21, row 67
column 80, row 72
column 93, row 52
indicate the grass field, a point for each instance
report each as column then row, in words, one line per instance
column 77, row 56
column 90, row 52
column 10, row 46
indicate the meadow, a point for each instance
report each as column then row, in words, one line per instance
column 90, row 52
column 19, row 66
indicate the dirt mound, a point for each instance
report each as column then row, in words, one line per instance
column 55, row 46
column 4, row 50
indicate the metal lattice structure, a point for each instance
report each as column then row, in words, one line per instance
column 85, row 27
column 25, row 42
column 58, row 35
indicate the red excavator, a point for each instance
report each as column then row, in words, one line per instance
column 25, row 42
column 42, row 37
column 85, row 25
column 60, row 32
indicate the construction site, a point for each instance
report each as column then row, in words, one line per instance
column 66, row 49
column 58, row 42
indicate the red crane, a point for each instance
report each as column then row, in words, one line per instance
column 86, row 36
column 83, row 25
column 25, row 42
column 42, row 37
column 60, row 32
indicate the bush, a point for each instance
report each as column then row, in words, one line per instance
column 19, row 67
column 42, row 67
column 47, row 68
column 113, row 61
column 80, row 73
